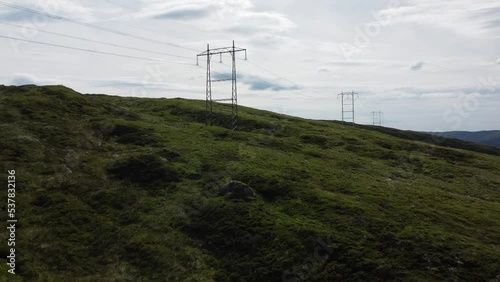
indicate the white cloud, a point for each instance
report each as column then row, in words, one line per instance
column 73, row 9
column 244, row 19
column 364, row 62
column 251, row 21
column 470, row 18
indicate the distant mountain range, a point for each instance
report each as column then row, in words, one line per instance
column 490, row 137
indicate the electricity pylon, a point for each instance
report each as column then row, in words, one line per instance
column 234, row 93
column 377, row 118
column 347, row 99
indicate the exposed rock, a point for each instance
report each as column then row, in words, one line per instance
column 237, row 190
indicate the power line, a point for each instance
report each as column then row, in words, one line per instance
column 98, row 42
column 65, row 19
column 92, row 51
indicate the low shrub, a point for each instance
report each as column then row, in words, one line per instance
column 147, row 170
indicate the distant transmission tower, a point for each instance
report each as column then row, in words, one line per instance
column 347, row 99
column 377, row 118
column 234, row 96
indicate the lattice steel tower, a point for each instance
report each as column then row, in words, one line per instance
column 347, row 99
column 234, row 93
column 377, row 118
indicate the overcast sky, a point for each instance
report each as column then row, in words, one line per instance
column 428, row 65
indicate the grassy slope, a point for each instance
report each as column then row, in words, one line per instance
column 121, row 189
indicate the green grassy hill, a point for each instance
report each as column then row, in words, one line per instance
column 125, row 189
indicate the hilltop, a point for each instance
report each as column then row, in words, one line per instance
column 125, row 189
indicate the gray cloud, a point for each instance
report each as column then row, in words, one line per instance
column 489, row 16
column 323, row 70
column 225, row 75
column 490, row 11
column 347, row 63
column 74, row 9
column 27, row 78
column 186, row 12
column 246, row 29
column 23, row 79
column 256, row 83
column 117, row 83
column 474, row 18
column 498, row 61
column 362, row 63
column 494, row 89
column 417, row 66
column 130, row 87
column 127, row 83
column 16, row 16
column 493, row 24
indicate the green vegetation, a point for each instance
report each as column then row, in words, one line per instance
column 126, row 189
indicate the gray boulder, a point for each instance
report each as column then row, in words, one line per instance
column 237, row 190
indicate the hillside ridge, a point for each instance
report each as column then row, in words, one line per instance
column 485, row 137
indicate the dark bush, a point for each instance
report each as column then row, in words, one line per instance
column 121, row 129
column 48, row 200
column 452, row 155
column 124, row 133
column 146, row 170
column 249, row 125
column 383, row 144
column 138, row 138
column 168, row 154
column 271, row 188
column 321, row 141
column 113, row 199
